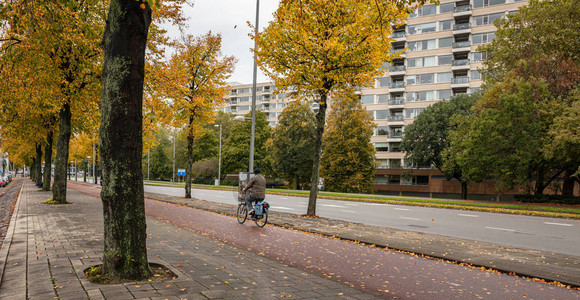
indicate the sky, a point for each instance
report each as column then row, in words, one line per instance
column 229, row 18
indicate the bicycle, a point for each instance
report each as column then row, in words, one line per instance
column 242, row 212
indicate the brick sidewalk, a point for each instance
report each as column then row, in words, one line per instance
column 48, row 247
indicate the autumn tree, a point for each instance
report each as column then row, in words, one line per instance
column 426, row 139
column 291, row 148
column 124, row 43
column 348, row 156
column 325, row 47
column 195, row 80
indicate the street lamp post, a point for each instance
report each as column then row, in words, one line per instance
column 220, row 156
column 252, row 135
column 94, row 165
column 76, row 172
column 148, row 156
column 173, row 177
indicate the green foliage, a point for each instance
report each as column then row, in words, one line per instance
column 291, row 148
column 427, row 137
column 348, row 155
column 206, row 168
column 236, row 147
column 506, row 137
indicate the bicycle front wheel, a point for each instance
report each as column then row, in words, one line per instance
column 261, row 222
column 242, row 213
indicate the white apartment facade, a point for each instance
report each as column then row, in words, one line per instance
column 440, row 61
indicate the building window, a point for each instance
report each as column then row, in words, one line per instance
column 422, row 45
column 444, row 94
column 444, row 77
column 445, row 25
column 483, row 38
column 382, row 147
column 384, row 81
column 412, row 113
column 381, row 114
column 478, row 56
column 422, row 28
column 382, row 130
column 426, row 10
column 272, row 123
column 428, row 61
column 445, row 59
column 384, row 98
column 445, row 42
column 446, row 8
column 421, row 96
column 367, row 99
column 475, row 75
column 426, row 78
column 487, row 19
column 485, row 3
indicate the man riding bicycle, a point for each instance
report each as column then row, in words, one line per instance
column 257, row 188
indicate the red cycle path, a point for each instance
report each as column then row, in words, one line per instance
column 392, row 274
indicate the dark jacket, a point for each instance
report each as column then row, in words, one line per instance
column 257, row 186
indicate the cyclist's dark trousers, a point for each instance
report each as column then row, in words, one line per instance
column 250, row 200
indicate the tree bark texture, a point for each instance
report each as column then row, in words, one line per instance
column 568, row 185
column 463, row 189
column 47, row 161
column 33, row 170
column 320, row 121
column 61, row 159
column 38, row 165
column 189, row 169
column 124, row 42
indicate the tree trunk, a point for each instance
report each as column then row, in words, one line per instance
column 540, row 183
column 295, row 181
column 568, row 186
column 61, row 159
column 121, row 143
column 463, row 189
column 32, row 169
column 189, row 169
column 86, row 171
column 47, row 162
column 38, row 166
column 320, row 121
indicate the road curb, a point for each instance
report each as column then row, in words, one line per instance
column 7, row 243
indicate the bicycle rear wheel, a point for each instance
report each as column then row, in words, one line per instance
column 261, row 222
column 242, row 213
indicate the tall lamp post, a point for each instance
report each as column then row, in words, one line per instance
column 94, row 165
column 251, row 164
column 220, row 156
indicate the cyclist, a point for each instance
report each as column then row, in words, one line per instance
column 257, row 188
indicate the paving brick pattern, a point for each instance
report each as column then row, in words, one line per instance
column 50, row 245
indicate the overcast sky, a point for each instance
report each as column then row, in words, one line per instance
column 230, row 17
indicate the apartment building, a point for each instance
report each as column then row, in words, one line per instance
column 438, row 59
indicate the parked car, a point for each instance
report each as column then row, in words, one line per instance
column 3, row 182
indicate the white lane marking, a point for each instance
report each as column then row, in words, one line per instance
column 351, row 204
column 330, row 252
column 414, row 219
column 472, row 216
column 453, row 284
column 332, row 205
column 348, row 211
column 497, row 228
column 395, row 208
column 282, row 208
column 559, row 224
column 284, row 198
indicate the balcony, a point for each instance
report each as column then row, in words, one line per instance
column 399, row 35
column 397, row 70
column 464, row 46
column 463, row 10
column 460, row 80
column 397, row 85
column 399, row 101
column 460, row 64
column 397, row 50
column 461, row 26
column 395, row 118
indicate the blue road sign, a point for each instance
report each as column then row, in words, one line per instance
column 180, row 172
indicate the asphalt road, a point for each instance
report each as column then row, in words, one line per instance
column 539, row 233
